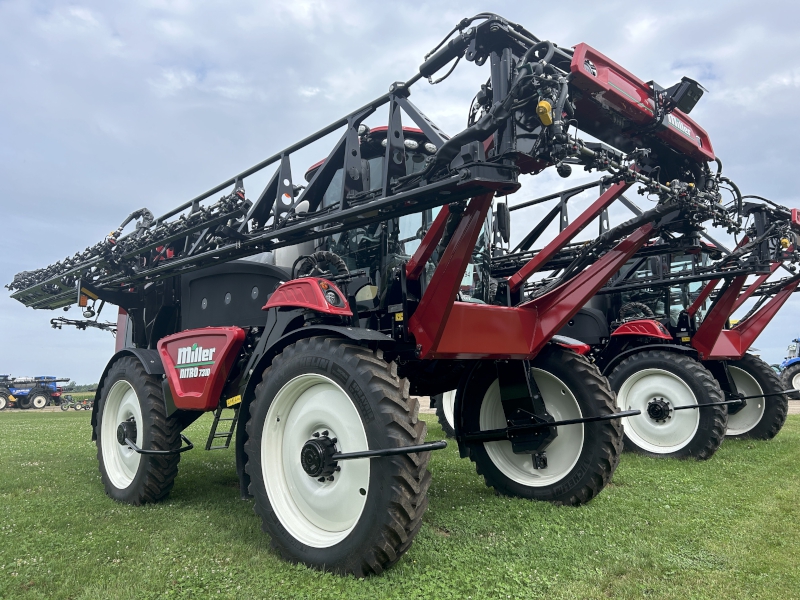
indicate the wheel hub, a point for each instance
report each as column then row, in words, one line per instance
column 316, row 457
column 658, row 410
column 126, row 429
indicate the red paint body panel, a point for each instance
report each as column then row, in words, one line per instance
column 484, row 331
column 733, row 343
column 428, row 321
column 620, row 90
column 428, row 245
column 307, row 293
column 646, row 327
column 573, row 229
column 714, row 323
column 754, row 286
column 197, row 363
column 796, row 219
column 577, row 348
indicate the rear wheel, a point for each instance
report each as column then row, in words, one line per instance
column 132, row 406
column 65, row 405
column 761, row 418
column 580, row 461
column 318, row 397
column 39, row 400
column 790, row 380
column 444, row 411
column 656, row 382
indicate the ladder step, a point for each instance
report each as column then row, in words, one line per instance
column 227, row 435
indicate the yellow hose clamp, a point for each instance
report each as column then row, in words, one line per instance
column 544, row 111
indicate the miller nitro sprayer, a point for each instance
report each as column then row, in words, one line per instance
column 316, row 311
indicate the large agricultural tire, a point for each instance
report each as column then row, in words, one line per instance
column 3, row 401
column 129, row 392
column 761, row 418
column 39, row 400
column 790, row 380
column 444, row 412
column 657, row 378
column 580, row 461
column 24, row 402
column 365, row 519
column 64, row 406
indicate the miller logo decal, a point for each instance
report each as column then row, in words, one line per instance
column 679, row 125
column 194, row 361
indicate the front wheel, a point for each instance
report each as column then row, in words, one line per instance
column 322, row 396
column 580, row 461
column 39, row 400
column 3, row 400
column 790, row 380
column 656, row 382
column 24, row 402
column 761, row 418
column 64, row 406
column 132, row 406
column 444, row 412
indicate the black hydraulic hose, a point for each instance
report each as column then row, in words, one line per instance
column 738, row 194
column 559, row 109
column 551, row 50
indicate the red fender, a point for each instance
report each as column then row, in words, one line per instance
column 646, row 327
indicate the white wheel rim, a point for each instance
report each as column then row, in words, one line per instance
column 796, row 382
column 562, row 454
column 751, row 415
column 318, row 514
column 652, row 436
column 448, row 407
column 3, row 402
column 121, row 463
column 39, row 401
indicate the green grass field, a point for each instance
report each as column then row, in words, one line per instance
column 726, row 528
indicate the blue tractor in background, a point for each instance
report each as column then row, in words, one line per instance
column 29, row 392
column 790, row 369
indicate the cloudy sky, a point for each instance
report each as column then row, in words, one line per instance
column 107, row 107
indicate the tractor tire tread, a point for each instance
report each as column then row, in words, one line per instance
column 703, row 376
column 397, row 412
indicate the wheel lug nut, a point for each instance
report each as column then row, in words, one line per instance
column 338, row 468
column 321, row 479
column 330, row 478
column 316, row 434
column 334, row 440
column 325, row 433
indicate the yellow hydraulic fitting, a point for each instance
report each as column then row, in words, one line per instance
column 545, row 112
column 784, row 243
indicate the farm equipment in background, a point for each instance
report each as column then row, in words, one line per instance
column 649, row 332
column 29, row 392
column 790, row 369
column 69, row 402
column 645, row 330
column 320, row 365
